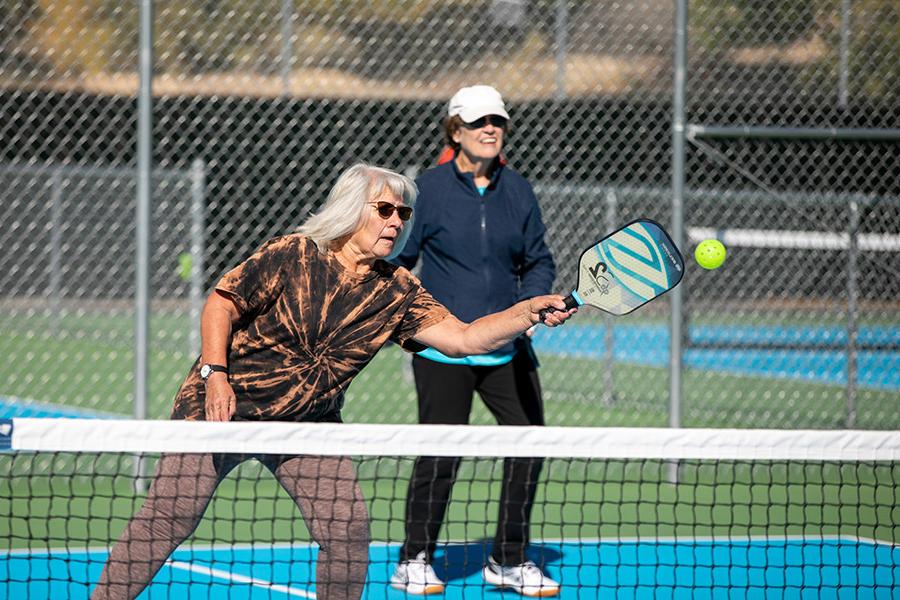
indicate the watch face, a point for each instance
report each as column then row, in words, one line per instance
column 205, row 371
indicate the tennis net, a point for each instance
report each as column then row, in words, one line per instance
column 619, row 512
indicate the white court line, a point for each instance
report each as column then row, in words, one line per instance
column 218, row 573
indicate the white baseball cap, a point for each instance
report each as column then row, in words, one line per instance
column 472, row 103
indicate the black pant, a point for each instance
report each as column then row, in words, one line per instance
column 512, row 392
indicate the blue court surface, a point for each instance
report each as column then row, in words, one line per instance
column 649, row 345
column 12, row 407
column 836, row 567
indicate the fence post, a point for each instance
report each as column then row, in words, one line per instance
column 678, row 177
column 142, row 220
column 286, row 59
column 852, row 311
column 609, row 396
column 198, row 253
column 562, row 43
column 54, row 287
column 844, row 66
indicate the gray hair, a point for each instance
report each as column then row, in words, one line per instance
column 344, row 209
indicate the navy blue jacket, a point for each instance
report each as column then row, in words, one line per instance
column 480, row 254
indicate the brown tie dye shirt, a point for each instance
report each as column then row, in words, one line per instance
column 307, row 327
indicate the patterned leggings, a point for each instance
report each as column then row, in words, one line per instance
column 324, row 487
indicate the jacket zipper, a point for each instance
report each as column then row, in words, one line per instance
column 484, row 245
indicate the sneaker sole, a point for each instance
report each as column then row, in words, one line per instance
column 426, row 591
column 497, row 581
column 545, row 593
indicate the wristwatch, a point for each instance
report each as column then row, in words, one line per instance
column 207, row 370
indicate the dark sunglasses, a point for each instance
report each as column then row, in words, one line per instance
column 386, row 209
column 495, row 120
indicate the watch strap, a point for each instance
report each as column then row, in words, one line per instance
column 208, row 369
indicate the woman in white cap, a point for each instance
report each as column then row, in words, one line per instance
column 480, row 238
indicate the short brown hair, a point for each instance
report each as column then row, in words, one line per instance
column 451, row 126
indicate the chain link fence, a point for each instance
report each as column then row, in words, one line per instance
column 791, row 159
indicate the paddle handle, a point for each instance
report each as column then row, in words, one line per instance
column 570, row 301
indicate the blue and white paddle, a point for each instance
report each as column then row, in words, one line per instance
column 627, row 269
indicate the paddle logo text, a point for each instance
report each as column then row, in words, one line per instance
column 600, row 281
column 675, row 263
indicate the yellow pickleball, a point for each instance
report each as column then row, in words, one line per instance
column 710, row 254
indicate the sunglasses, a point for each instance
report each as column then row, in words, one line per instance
column 495, row 120
column 386, row 209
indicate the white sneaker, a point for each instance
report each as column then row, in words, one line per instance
column 527, row 579
column 417, row 577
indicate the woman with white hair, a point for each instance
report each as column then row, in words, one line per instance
column 283, row 335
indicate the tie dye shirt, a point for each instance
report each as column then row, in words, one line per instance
column 307, row 327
